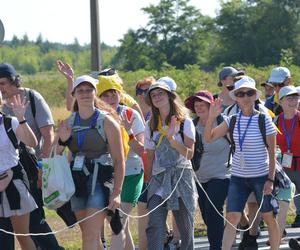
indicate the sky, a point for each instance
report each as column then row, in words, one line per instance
column 64, row 20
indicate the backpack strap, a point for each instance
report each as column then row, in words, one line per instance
column 9, row 131
column 198, row 149
column 262, row 127
column 32, row 102
column 181, row 128
column 99, row 123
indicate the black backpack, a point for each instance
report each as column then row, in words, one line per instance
column 198, row 148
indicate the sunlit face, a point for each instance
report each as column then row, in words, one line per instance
column 245, row 97
column 290, row 102
column 7, row 88
column 159, row 98
column 111, row 97
column 85, row 93
column 201, row 108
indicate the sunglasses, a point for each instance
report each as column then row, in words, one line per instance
column 140, row 91
column 107, row 72
column 230, row 87
column 276, row 84
column 247, row 93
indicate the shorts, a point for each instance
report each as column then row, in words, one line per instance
column 286, row 194
column 144, row 194
column 98, row 200
column 132, row 188
column 239, row 190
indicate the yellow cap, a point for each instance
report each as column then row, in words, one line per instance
column 109, row 82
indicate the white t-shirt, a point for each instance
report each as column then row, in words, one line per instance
column 134, row 163
column 254, row 152
column 9, row 156
column 188, row 130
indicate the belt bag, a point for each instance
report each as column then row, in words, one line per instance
column 5, row 179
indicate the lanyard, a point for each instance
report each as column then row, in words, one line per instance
column 242, row 139
column 288, row 136
column 1, row 117
column 119, row 109
column 81, row 134
column 147, row 116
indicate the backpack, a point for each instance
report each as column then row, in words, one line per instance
column 28, row 159
column 100, row 127
column 199, row 148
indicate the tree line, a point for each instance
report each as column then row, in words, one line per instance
column 247, row 32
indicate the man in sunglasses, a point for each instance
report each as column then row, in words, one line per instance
column 226, row 81
column 280, row 77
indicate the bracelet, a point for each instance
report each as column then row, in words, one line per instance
column 22, row 122
column 270, row 180
column 65, row 143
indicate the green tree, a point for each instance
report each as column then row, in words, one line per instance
column 176, row 34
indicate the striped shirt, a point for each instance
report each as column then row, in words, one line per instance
column 254, row 159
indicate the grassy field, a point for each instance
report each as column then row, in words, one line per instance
column 71, row 238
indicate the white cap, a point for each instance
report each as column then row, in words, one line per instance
column 279, row 75
column 168, row 81
column 287, row 90
column 244, row 82
column 84, row 78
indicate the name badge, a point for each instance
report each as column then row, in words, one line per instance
column 287, row 160
column 78, row 163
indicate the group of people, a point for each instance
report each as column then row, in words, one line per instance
column 148, row 152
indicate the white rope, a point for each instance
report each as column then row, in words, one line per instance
column 238, row 229
column 54, row 232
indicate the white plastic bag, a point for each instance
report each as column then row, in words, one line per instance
column 57, row 182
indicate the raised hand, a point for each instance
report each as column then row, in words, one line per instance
column 65, row 69
column 215, row 108
column 171, row 130
column 63, row 131
column 126, row 123
column 19, row 106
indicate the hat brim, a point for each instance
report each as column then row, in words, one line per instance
column 148, row 98
column 233, row 97
column 294, row 92
column 190, row 101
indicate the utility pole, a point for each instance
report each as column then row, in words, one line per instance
column 95, row 37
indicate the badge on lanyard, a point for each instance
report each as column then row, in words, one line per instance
column 78, row 162
column 242, row 160
column 287, row 160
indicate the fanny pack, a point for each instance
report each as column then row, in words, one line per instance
column 5, row 179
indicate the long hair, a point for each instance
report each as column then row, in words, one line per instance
column 176, row 108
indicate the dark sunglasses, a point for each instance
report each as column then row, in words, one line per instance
column 140, row 91
column 243, row 94
column 230, row 87
column 275, row 84
column 107, row 72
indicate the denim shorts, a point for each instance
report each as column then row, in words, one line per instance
column 144, row 194
column 97, row 200
column 239, row 190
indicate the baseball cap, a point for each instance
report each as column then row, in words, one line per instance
column 279, row 75
column 84, row 78
column 227, row 71
column 7, row 70
column 109, row 82
column 201, row 95
column 168, row 81
column 244, row 82
column 287, row 90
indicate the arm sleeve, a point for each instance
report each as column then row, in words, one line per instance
column 138, row 124
column 270, row 126
column 14, row 124
column 189, row 129
column 43, row 116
